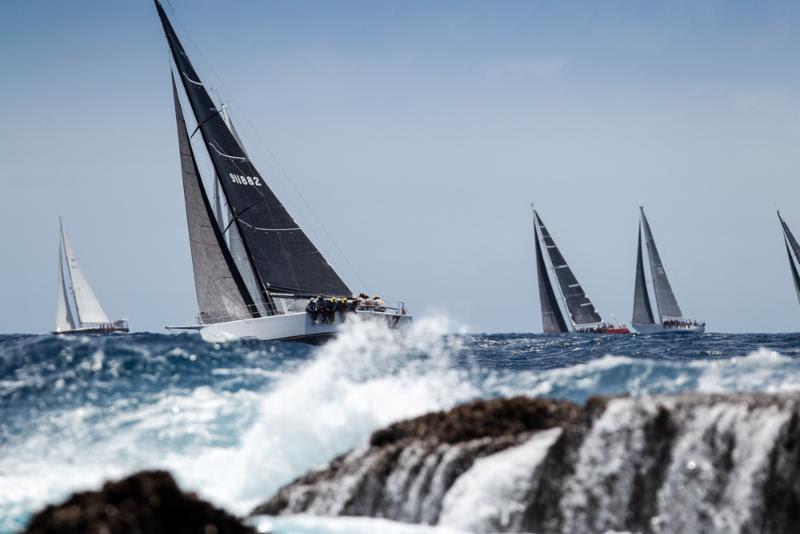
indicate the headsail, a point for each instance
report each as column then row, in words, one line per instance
column 282, row 256
column 642, row 310
column 665, row 298
column 790, row 241
column 221, row 292
column 580, row 307
column 64, row 319
column 552, row 319
column 89, row 309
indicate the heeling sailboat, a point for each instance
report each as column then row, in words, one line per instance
column 90, row 318
column 670, row 318
column 578, row 314
column 258, row 276
column 793, row 252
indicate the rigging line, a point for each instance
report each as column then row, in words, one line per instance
column 271, row 154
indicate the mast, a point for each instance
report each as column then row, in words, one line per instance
column 88, row 307
column 790, row 241
column 665, row 298
column 64, row 318
column 642, row 310
column 552, row 320
column 221, row 292
column 580, row 308
column 282, row 257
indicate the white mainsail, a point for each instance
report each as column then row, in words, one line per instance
column 89, row 309
column 64, row 320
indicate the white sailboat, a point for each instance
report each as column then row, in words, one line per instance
column 90, row 318
column 257, row 274
column 670, row 317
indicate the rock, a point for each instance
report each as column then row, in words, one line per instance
column 146, row 502
column 687, row 463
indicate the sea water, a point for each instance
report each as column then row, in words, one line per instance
column 234, row 422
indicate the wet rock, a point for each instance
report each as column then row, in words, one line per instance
column 145, row 502
column 688, row 463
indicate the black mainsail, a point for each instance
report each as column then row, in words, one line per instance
column 642, row 310
column 221, row 292
column 578, row 304
column 282, row 257
column 790, row 241
column 665, row 298
column 552, row 319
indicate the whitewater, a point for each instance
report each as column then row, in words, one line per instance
column 235, row 422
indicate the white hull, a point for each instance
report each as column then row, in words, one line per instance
column 291, row 327
column 661, row 329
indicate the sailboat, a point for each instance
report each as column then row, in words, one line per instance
column 670, row 318
column 257, row 274
column 793, row 251
column 578, row 313
column 89, row 316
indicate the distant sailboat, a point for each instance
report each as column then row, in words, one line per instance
column 257, row 274
column 579, row 314
column 90, row 318
column 670, row 318
column 793, row 251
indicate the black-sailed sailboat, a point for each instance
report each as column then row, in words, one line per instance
column 568, row 309
column 793, row 252
column 88, row 316
column 670, row 317
column 257, row 274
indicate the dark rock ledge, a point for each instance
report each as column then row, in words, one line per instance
column 147, row 502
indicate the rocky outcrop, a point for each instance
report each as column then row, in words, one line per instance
column 146, row 502
column 690, row 463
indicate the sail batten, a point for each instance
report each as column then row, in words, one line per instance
column 86, row 304
column 580, row 308
column 281, row 261
column 221, row 293
column 665, row 298
column 642, row 310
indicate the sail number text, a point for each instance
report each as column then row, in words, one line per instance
column 245, row 180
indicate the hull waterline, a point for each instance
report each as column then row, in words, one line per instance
column 291, row 327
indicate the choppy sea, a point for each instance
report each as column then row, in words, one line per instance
column 234, row 422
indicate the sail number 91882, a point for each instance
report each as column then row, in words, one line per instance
column 245, row 180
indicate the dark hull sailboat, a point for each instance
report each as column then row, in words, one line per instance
column 793, row 253
column 670, row 317
column 89, row 316
column 258, row 275
column 578, row 314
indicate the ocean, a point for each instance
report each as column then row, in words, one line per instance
column 235, row 422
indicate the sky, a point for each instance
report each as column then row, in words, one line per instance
column 415, row 135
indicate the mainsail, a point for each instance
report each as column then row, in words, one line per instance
column 89, row 309
column 64, row 319
column 665, row 298
column 282, row 257
column 642, row 310
column 580, row 307
column 221, row 293
column 552, row 319
column 790, row 241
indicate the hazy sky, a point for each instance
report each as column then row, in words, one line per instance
column 419, row 132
